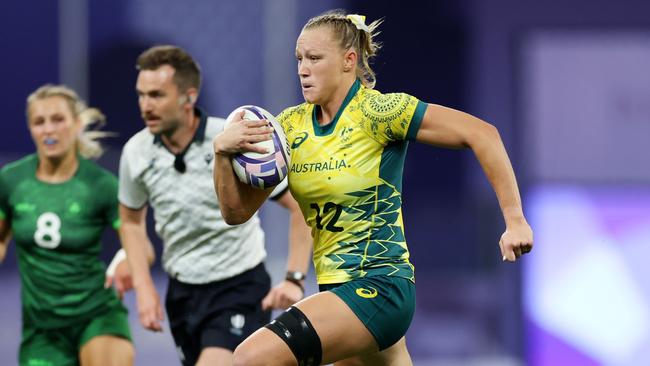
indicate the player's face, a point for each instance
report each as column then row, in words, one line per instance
column 159, row 100
column 53, row 127
column 320, row 65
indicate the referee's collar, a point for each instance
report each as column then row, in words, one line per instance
column 199, row 134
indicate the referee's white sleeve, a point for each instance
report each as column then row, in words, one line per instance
column 132, row 192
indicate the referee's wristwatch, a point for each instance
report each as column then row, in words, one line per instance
column 296, row 277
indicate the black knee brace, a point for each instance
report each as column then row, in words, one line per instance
column 297, row 332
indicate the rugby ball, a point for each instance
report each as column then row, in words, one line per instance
column 262, row 170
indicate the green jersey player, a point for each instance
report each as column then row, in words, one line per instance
column 56, row 204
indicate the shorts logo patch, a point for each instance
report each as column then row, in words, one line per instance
column 367, row 293
column 237, row 322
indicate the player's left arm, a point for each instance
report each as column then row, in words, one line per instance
column 5, row 237
column 447, row 127
column 300, row 245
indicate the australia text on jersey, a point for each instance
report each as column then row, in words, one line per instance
column 319, row 166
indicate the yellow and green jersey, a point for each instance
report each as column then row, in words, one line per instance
column 346, row 177
column 57, row 229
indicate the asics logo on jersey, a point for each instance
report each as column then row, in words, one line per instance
column 367, row 293
column 299, row 140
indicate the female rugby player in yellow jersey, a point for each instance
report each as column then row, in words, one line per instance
column 348, row 146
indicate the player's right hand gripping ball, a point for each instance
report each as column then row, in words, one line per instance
column 262, row 170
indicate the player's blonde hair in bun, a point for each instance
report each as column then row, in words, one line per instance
column 91, row 119
column 352, row 32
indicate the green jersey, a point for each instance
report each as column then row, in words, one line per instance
column 57, row 229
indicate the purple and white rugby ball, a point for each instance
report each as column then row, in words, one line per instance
column 262, row 170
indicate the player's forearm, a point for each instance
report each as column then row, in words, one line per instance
column 139, row 253
column 492, row 156
column 300, row 244
column 238, row 202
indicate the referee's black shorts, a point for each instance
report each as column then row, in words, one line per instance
column 217, row 314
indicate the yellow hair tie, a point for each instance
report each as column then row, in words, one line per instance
column 359, row 21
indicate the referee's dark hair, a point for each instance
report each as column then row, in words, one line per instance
column 187, row 71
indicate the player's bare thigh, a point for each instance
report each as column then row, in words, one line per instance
column 215, row 356
column 395, row 355
column 106, row 350
column 341, row 333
